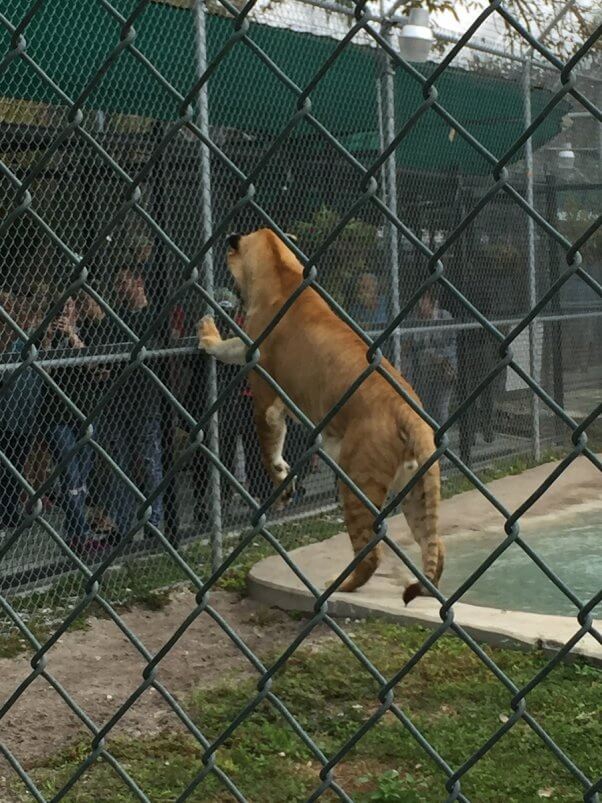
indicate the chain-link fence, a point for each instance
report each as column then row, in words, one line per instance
column 307, row 184
column 429, row 204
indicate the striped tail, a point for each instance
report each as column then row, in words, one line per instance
column 422, row 513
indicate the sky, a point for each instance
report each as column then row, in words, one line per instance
column 294, row 14
column 493, row 29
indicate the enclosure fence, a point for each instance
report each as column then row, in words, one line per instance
column 144, row 204
column 307, row 185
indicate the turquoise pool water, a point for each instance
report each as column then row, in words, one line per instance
column 571, row 546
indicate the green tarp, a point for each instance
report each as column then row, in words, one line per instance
column 70, row 39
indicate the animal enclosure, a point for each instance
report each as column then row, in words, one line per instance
column 134, row 136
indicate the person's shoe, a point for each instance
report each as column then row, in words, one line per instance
column 298, row 495
column 47, row 504
column 101, row 523
column 89, row 548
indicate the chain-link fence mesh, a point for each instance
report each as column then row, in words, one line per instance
column 133, row 137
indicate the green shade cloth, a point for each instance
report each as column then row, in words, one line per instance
column 70, row 40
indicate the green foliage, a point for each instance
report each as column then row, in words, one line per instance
column 577, row 214
column 450, row 696
column 390, row 789
column 355, row 249
column 147, row 581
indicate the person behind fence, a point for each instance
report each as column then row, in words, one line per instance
column 433, row 359
column 235, row 422
column 95, row 330
column 62, row 430
column 477, row 357
column 134, row 436
column 20, row 398
column 369, row 308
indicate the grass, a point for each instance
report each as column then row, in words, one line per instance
column 455, row 702
column 290, row 536
column 146, row 581
column 503, row 468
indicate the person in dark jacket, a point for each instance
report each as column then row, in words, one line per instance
column 20, row 399
column 369, row 308
column 235, row 421
column 133, row 437
column 434, row 363
column 95, row 330
column 477, row 356
column 62, row 430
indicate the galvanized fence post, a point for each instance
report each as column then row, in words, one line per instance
column 554, row 329
column 386, row 110
column 206, row 224
column 600, row 132
column 531, row 262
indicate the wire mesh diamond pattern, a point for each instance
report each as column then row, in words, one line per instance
column 207, row 175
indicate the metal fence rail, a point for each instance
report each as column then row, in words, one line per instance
column 229, row 190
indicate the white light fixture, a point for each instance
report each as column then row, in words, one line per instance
column 566, row 157
column 416, row 37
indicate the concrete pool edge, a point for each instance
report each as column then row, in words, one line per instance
column 488, row 625
column 273, row 583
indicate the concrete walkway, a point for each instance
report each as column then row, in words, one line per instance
column 580, row 487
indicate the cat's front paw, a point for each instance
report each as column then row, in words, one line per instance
column 207, row 333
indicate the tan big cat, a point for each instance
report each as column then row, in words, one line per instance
column 376, row 438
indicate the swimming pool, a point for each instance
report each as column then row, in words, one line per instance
column 571, row 545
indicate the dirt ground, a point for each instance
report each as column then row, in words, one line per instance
column 100, row 668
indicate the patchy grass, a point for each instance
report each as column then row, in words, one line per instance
column 450, row 696
column 147, row 581
column 12, row 644
column 502, row 468
column 290, row 536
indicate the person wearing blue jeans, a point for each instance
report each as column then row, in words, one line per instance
column 15, row 446
column 135, row 445
column 62, row 431
column 72, row 482
column 20, row 398
column 434, row 362
column 133, row 436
